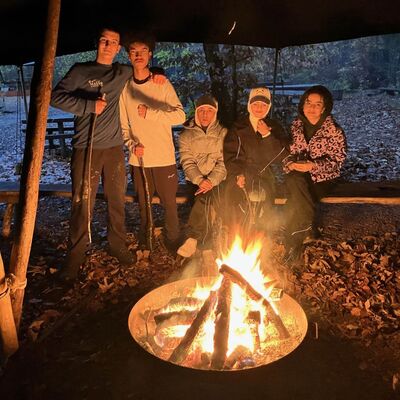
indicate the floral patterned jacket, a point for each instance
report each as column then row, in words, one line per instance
column 326, row 149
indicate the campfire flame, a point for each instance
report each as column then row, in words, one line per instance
column 247, row 262
column 228, row 323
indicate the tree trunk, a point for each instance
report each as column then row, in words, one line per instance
column 33, row 156
column 222, row 70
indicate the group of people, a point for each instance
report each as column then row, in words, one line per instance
column 228, row 170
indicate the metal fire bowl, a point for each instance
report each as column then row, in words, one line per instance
column 142, row 325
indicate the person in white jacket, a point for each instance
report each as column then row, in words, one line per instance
column 201, row 153
column 148, row 111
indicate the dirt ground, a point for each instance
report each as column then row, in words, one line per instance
column 75, row 343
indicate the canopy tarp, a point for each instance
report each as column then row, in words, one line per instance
column 266, row 23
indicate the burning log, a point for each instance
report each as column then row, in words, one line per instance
column 187, row 303
column 180, row 352
column 235, row 277
column 221, row 334
column 185, row 317
column 238, row 354
column 254, row 318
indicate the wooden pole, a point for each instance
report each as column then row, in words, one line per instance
column 8, row 331
column 33, row 155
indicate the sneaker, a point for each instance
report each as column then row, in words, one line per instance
column 188, row 248
column 124, row 256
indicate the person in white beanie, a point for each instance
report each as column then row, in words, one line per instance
column 252, row 146
column 201, row 156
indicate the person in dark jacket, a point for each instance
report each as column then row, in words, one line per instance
column 251, row 147
column 317, row 153
column 91, row 91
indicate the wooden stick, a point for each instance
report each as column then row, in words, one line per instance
column 180, row 352
column 221, row 334
column 149, row 212
column 253, row 294
column 8, row 331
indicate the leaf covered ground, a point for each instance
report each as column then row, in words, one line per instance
column 349, row 286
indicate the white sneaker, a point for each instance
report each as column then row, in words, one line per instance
column 188, row 248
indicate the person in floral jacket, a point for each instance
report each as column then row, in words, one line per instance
column 317, row 153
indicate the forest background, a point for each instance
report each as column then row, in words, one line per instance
column 229, row 71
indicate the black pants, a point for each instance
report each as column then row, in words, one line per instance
column 109, row 164
column 164, row 181
column 303, row 197
column 200, row 218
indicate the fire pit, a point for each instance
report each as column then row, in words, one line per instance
column 233, row 321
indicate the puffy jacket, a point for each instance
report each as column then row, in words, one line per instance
column 201, row 152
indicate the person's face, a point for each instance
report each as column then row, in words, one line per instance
column 206, row 115
column 108, row 47
column 313, row 107
column 259, row 109
column 139, row 54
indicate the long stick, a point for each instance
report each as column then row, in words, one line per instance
column 87, row 182
column 87, row 187
column 235, row 277
column 148, row 206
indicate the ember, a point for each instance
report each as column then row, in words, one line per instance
column 227, row 322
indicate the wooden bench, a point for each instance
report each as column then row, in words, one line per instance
column 9, row 194
column 383, row 193
column 58, row 131
column 391, row 91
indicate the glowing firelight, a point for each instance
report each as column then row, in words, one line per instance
column 179, row 322
column 247, row 263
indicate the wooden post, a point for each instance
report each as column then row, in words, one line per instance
column 8, row 331
column 33, row 155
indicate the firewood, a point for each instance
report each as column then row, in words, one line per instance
column 221, row 334
column 239, row 353
column 185, row 316
column 253, row 294
column 254, row 318
column 186, row 303
column 180, row 352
